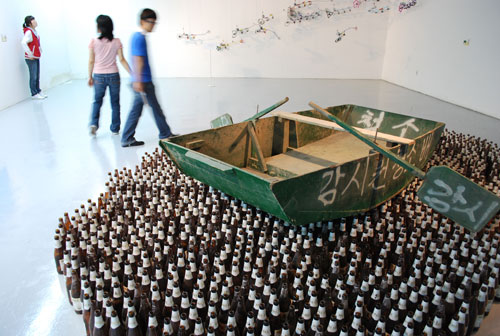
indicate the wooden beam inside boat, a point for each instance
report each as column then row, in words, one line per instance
column 196, row 144
column 286, row 135
column 334, row 126
column 255, row 141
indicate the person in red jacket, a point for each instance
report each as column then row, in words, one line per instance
column 32, row 53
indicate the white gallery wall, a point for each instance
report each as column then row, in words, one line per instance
column 305, row 50
column 425, row 52
column 420, row 48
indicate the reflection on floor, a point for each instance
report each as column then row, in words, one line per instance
column 49, row 165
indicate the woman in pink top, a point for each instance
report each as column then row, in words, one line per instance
column 102, row 64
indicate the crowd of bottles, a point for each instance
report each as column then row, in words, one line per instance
column 160, row 253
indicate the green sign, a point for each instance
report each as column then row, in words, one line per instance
column 458, row 198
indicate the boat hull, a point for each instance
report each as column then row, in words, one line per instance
column 334, row 191
column 350, row 188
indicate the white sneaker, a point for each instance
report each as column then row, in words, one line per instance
column 38, row 97
column 93, row 130
column 43, row 95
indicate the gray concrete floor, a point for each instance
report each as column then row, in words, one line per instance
column 50, row 165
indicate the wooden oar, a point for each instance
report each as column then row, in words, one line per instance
column 269, row 109
column 226, row 119
column 254, row 117
column 335, row 126
column 444, row 190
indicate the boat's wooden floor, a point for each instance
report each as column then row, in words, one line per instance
column 263, row 175
column 335, row 149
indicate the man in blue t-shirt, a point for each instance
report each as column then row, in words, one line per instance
column 144, row 90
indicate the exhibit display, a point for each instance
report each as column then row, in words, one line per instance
column 303, row 168
column 160, row 253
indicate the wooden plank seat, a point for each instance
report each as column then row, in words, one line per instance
column 334, row 126
column 330, row 151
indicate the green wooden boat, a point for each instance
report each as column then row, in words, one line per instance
column 303, row 168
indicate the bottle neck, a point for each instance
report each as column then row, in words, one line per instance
column 115, row 322
column 152, row 322
column 99, row 322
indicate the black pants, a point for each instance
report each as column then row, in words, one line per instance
column 34, row 69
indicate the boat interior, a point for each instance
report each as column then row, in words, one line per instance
column 286, row 144
column 329, row 151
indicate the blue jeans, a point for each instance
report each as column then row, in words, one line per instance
column 136, row 111
column 34, row 69
column 101, row 82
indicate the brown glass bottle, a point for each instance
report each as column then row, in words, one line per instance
column 192, row 316
column 199, row 330
column 76, row 292
column 133, row 328
column 438, row 322
column 250, row 324
column 157, row 303
column 374, row 318
column 453, row 329
column 167, row 326
column 231, row 331
column 224, row 312
column 152, row 331
column 175, row 319
column 86, row 314
column 471, row 303
column 153, row 325
column 241, row 313
column 300, row 327
column 482, row 301
column 143, row 313
column 99, row 324
column 392, row 320
column 58, row 254
column 492, row 285
column 116, row 328
column 275, row 318
column 214, row 324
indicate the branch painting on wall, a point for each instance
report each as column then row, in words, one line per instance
column 261, row 22
column 407, row 5
column 342, row 34
column 257, row 28
column 301, row 12
column 192, row 36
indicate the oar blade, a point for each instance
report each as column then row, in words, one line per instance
column 226, row 119
column 458, row 198
column 223, row 120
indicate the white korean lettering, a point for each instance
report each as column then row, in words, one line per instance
column 404, row 126
column 440, row 183
column 454, row 201
column 437, row 204
column 380, row 172
column 327, row 196
column 368, row 120
column 353, row 179
column 470, row 211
